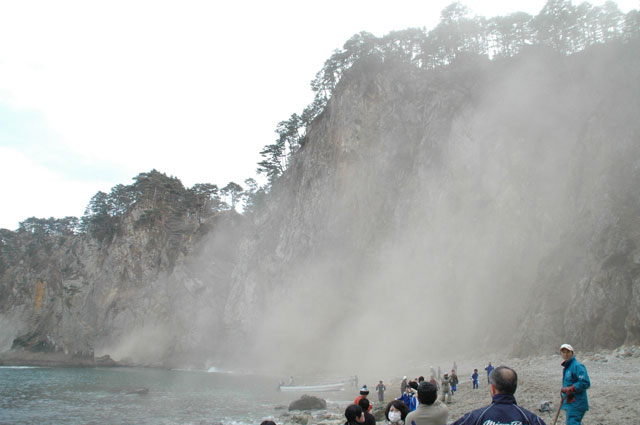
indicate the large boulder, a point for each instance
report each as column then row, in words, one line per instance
column 308, row 402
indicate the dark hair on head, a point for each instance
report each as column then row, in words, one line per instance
column 504, row 379
column 352, row 412
column 420, row 379
column 414, row 385
column 404, row 410
column 268, row 423
column 364, row 404
column 427, row 393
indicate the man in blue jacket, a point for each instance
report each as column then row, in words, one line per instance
column 503, row 409
column 575, row 382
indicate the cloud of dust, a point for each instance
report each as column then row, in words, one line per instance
column 433, row 256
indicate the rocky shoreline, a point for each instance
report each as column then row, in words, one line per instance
column 613, row 397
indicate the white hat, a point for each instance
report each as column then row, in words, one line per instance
column 567, row 346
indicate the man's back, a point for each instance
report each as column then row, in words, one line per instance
column 434, row 414
column 503, row 410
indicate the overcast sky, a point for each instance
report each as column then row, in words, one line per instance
column 94, row 93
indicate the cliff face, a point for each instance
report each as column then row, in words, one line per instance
column 488, row 205
column 151, row 294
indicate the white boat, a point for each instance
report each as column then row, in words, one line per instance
column 313, row 388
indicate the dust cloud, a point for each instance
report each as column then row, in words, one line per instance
column 409, row 234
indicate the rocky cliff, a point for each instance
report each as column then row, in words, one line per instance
column 149, row 294
column 481, row 206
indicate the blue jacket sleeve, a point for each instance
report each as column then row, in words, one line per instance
column 583, row 382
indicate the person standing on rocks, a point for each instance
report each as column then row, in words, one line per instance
column 364, row 393
column 454, row 382
column 503, row 382
column 445, row 385
column 575, row 383
column 489, row 368
column 380, row 388
column 474, row 379
column 430, row 410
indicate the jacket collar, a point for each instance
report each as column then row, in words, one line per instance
column 504, row 399
column 566, row 363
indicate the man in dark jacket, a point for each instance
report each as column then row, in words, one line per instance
column 575, row 382
column 503, row 409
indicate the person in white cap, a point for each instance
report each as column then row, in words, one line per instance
column 575, row 382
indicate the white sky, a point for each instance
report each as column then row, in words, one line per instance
column 94, row 93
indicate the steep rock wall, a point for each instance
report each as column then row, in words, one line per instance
column 470, row 198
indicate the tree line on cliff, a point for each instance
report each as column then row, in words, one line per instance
column 560, row 25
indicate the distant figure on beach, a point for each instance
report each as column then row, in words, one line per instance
column 503, row 409
column 355, row 381
column 474, row 379
column 354, row 415
column 396, row 412
column 364, row 393
column 291, row 382
column 489, row 368
column 380, row 388
column 403, row 385
column 445, row 385
column 453, row 379
column 434, row 382
column 430, row 411
column 455, row 367
column 575, row 383
column 369, row 419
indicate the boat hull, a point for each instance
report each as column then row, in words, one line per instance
column 312, row 388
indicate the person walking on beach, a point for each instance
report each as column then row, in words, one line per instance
column 445, row 385
column 430, row 410
column 575, row 383
column 403, row 385
column 474, row 379
column 454, row 382
column 489, row 368
column 503, row 382
column 380, row 388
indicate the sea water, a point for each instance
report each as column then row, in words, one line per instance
column 108, row 396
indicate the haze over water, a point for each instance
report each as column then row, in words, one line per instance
column 100, row 396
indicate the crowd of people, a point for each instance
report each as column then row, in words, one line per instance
column 419, row 403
